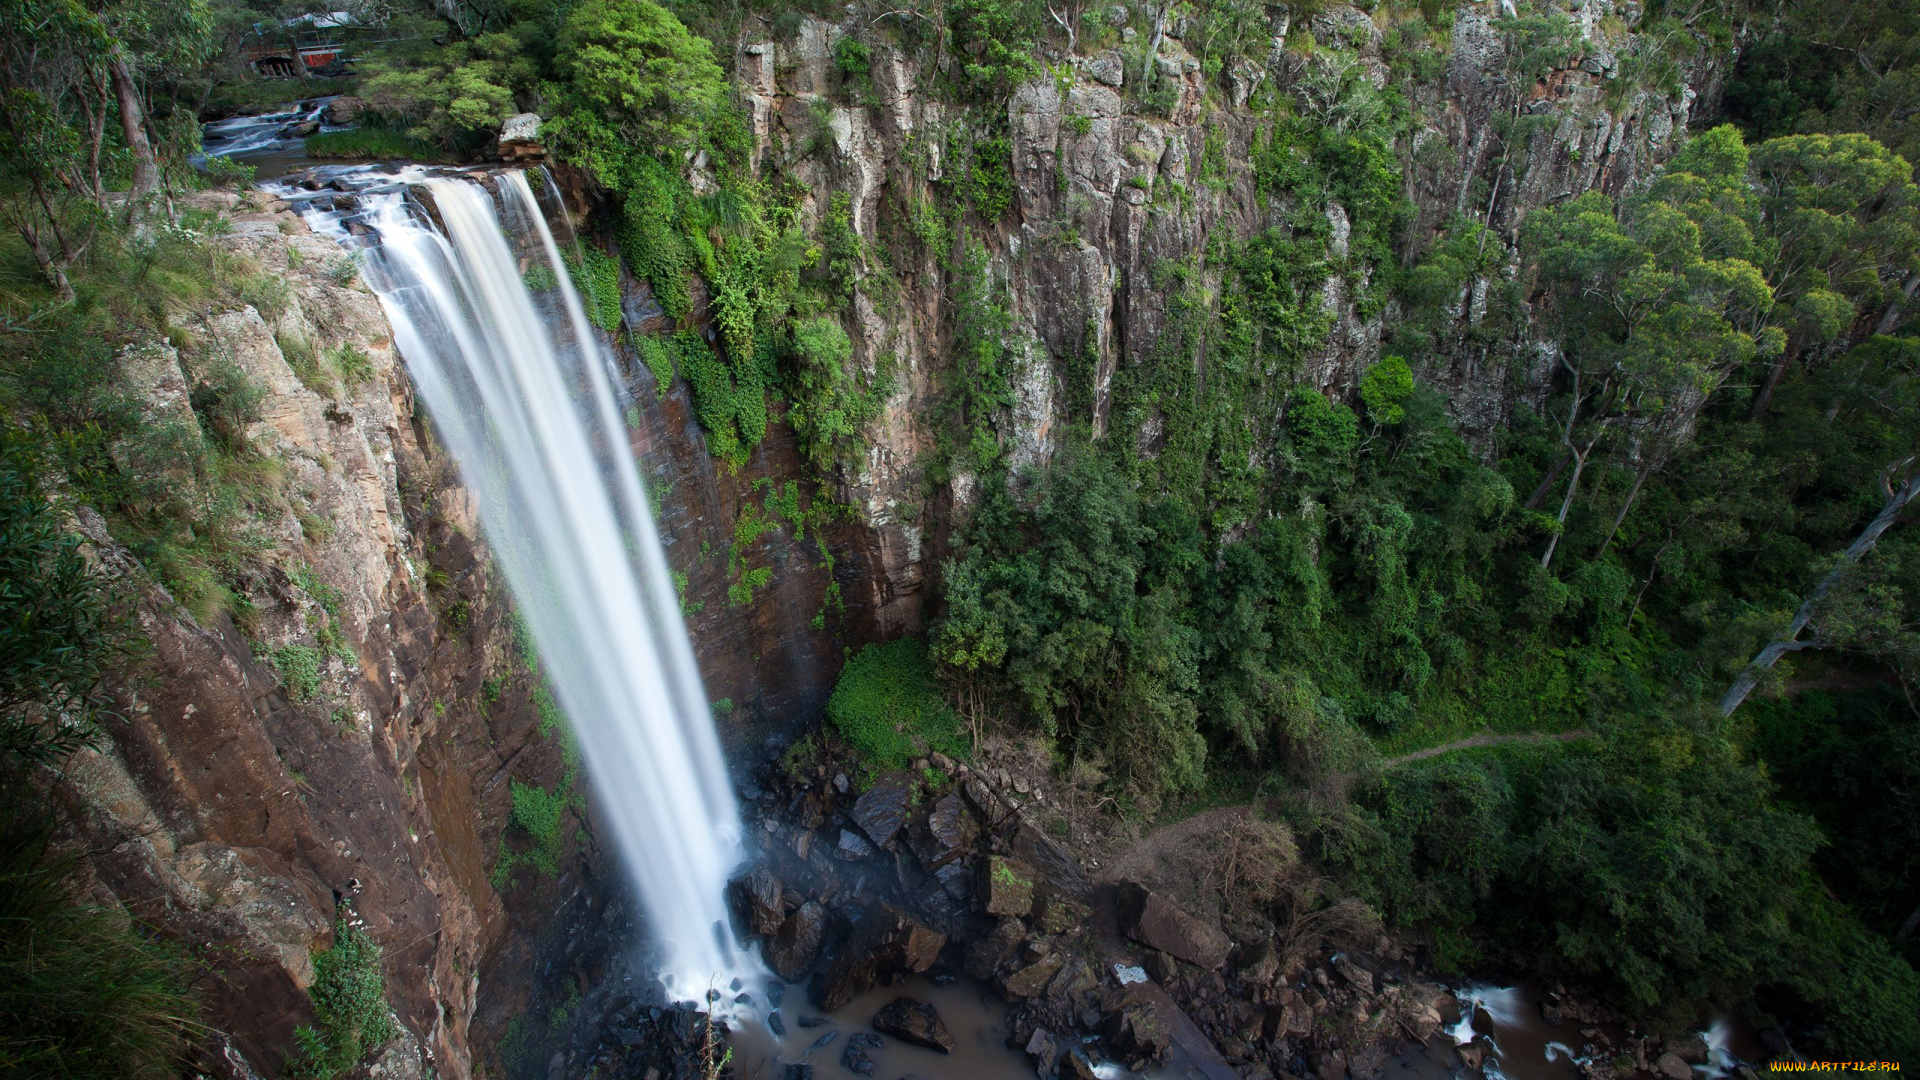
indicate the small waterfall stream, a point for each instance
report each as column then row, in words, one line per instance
column 524, row 397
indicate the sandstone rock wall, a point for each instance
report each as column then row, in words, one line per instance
column 240, row 812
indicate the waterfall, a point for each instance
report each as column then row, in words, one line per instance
column 523, row 396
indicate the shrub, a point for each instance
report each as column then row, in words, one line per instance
column 887, row 705
column 84, row 995
column 349, row 995
column 59, row 637
column 299, row 668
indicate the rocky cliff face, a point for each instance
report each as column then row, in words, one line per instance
column 327, row 748
column 1495, row 131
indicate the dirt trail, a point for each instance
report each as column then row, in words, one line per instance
column 1484, row 740
column 1143, row 855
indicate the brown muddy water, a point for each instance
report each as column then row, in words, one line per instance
column 975, row 1015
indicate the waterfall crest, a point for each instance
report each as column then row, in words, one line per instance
column 521, row 393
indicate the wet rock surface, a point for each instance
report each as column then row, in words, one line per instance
column 916, row 1022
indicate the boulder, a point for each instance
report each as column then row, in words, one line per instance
column 916, row 1022
column 950, row 830
column 1057, row 913
column 1693, row 1049
column 852, row 845
column 1159, row 923
column 1042, row 1051
column 343, row 110
column 520, row 138
column 1032, row 980
column 986, row 954
column 1075, row 1065
column 757, row 903
column 1291, row 1019
column 792, row 950
column 1258, row 962
column 853, row 1057
column 886, row 944
column 1135, row 1025
column 882, row 811
column 1107, row 68
column 1053, row 864
column 1076, row 977
column 1673, row 1067
column 1005, row 886
column 1360, row 978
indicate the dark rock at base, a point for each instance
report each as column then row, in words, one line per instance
column 950, row 827
column 1053, row 862
column 799, row 1072
column 1006, row 886
column 1057, row 913
column 776, row 993
column 1135, row 1025
column 915, row 1022
column 1042, row 1051
column 882, row 811
column 886, row 944
column 822, row 1040
column 855, row 1059
column 1075, row 1065
column 793, row 950
column 775, row 1024
column 1159, row 923
column 986, row 954
column 1673, row 1067
column 1693, row 1049
column 1032, row 980
column 852, row 845
column 812, row 1021
column 1367, row 1062
column 756, row 901
column 1360, row 978
column 955, row 878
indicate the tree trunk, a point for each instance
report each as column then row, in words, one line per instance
column 1153, row 48
column 1891, row 319
column 1775, row 374
column 1897, row 499
column 1566, row 504
column 293, row 47
column 1620, row 518
column 1546, row 482
column 146, row 173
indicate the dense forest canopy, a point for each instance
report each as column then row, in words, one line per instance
column 1233, row 583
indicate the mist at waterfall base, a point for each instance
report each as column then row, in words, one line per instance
column 523, row 396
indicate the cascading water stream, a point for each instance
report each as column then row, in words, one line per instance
column 521, row 394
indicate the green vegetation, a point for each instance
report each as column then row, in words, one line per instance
column 540, row 815
column 84, row 992
column 352, row 1020
column 888, row 707
column 372, row 144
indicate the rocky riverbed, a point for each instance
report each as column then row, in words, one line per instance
column 929, row 919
